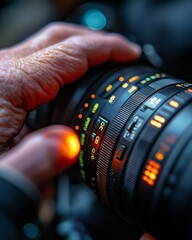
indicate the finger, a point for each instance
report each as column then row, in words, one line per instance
column 44, row 154
column 43, row 73
column 147, row 236
column 49, row 35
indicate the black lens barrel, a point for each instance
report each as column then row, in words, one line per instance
column 135, row 128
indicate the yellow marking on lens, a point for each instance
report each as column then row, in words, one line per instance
column 108, row 88
column 133, row 79
column 155, row 124
column 93, row 96
column 112, row 99
column 80, row 116
column 159, row 119
column 86, row 105
column 125, row 85
column 132, row 89
column 157, row 75
column 143, row 82
column 159, row 156
column 174, row 104
column 121, row 79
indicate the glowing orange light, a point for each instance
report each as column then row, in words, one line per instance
column 133, row 79
column 151, row 172
column 159, row 156
column 152, row 169
column 93, row 96
column 147, row 173
column 159, row 119
column 151, row 182
column 155, row 171
column 189, row 90
column 73, row 145
column 148, row 167
column 153, row 176
column 144, row 178
column 148, row 181
column 108, row 88
column 156, row 124
column 154, row 164
column 121, row 79
column 125, row 85
column 174, row 104
column 76, row 127
column 69, row 149
column 80, row 116
column 86, row 105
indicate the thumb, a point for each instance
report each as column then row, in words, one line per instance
column 44, row 154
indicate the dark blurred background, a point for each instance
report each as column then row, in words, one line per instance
column 162, row 27
column 164, row 30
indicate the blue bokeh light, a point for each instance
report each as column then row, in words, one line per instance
column 94, row 19
column 31, row 231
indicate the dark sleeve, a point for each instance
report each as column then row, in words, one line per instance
column 17, row 206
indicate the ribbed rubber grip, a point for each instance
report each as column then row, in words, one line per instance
column 116, row 127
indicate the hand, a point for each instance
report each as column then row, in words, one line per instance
column 31, row 74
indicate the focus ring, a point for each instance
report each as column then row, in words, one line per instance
column 137, row 157
column 114, row 182
column 116, row 127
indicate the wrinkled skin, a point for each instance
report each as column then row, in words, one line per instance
column 32, row 72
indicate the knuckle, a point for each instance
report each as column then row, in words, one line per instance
column 54, row 28
column 116, row 36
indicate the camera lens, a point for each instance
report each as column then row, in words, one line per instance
column 135, row 127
